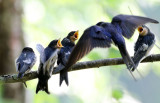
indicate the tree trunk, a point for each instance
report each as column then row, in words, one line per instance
column 11, row 42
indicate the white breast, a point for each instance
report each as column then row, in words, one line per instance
column 49, row 64
column 149, row 49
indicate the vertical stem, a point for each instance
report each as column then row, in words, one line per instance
column 11, row 42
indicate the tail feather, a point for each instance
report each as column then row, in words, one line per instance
column 63, row 76
column 126, row 58
column 42, row 85
column 137, row 59
column 20, row 75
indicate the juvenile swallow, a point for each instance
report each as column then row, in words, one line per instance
column 102, row 34
column 144, row 44
column 25, row 62
column 48, row 56
column 68, row 44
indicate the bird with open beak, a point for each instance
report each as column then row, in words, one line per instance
column 68, row 44
column 102, row 34
column 25, row 61
column 48, row 56
column 143, row 45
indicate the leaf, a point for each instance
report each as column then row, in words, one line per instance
column 117, row 94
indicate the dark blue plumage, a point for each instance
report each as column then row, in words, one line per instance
column 68, row 44
column 124, row 25
column 101, row 35
column 116, row 36
column 25, row 61
column 48, row 56
column 48, row 52
column 65, row 51
column 143, row 45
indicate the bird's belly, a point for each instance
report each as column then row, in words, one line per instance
column 49, row 65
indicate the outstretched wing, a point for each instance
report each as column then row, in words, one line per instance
column 92, row 37
column 128, row 23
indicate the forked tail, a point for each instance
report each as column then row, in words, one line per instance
column 64, row 76
column 42, row 85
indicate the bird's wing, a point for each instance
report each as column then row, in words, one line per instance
column 17, row 63
column 25, row 68
column 92, row 37
column 28, row 63
column 41, row 49
column 142, row 49
column 65, row 55
column 128, row 23
column 31, row 58
column 34, row 60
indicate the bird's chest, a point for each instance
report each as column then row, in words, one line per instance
column 67, row 51
column 145, row 44
column 49, row 64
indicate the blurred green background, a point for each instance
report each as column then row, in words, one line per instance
column 45, row 20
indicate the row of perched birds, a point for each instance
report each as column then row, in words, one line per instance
column 101, row 35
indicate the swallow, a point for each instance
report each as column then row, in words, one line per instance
column 48, row 56
column 103, row 34
column 25, row 61
column 143, row 45
column 68, row 44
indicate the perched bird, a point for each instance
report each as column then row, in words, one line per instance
column 48, row 56
column 102, row 34
column 144, row 44
column 25, row 61
column 68, row 44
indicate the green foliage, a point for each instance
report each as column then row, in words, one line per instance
column 117, row 94
column 1, row 90
column 42, row 97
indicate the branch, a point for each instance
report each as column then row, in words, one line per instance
column 78, row 66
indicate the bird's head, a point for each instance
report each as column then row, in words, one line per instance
column 73, row 36
column 27, row 49
column 55, row 44
column 143, row 30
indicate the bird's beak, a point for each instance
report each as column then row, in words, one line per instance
column 140, row 29
column 59, row 44
column 76, row 35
